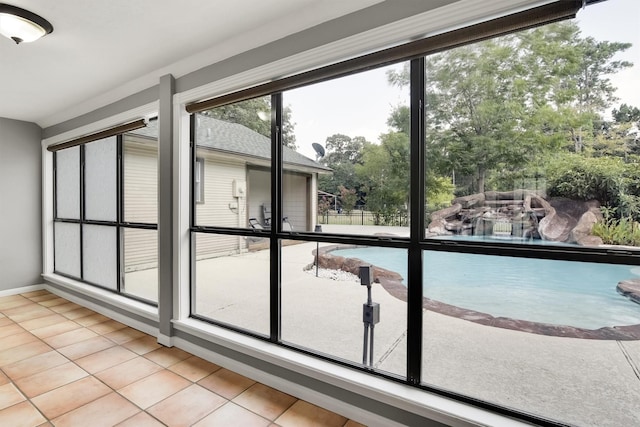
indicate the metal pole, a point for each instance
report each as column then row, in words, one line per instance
column 371, row 347
column 318, row 229
column 364, row 345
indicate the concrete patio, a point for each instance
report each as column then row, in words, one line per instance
column 571, row 380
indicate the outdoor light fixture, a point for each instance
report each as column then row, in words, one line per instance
column 21, row 25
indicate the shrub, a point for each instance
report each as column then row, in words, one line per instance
column 611, row 181
column 613, row 231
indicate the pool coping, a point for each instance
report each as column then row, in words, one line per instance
column 392, row 283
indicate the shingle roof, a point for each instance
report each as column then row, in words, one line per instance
column 234, row 138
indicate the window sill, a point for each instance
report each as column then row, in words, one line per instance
column 119, row 303
column 401, row 396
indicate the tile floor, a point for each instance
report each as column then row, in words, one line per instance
column 65, row 365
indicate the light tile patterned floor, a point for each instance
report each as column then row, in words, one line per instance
column 64, row 365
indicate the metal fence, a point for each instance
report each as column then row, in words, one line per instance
column 362, row 217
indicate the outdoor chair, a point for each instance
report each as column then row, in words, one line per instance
column 255, row 224
column 266, row 214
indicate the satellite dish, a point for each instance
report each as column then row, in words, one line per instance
column 319, row 150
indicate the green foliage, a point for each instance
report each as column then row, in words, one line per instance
column 614, row 231
column 440, row 192
column 519, row 111
column 256, row 115
column 609, row 180
column 385, row 174
column 626, row 114
column 343, row 153
column 581, row 178
column 495, row 108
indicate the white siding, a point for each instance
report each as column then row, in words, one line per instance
column 295, row 202
column 140, row 180
column 140, row 202
column 259, row 192
column 220, row 207
column 140, row 249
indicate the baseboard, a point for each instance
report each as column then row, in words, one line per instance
column 104, row 309
column 165, row 340
column 22, row 290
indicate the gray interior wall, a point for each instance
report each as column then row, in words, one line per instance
column 130, row 102
column 327, row 32
column 20, row 204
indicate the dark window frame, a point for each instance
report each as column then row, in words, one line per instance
column 417, row 243
column 119, row 224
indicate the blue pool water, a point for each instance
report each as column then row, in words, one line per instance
column 548, row 291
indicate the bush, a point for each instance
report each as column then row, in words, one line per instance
column 611, row 181
column 612, row 231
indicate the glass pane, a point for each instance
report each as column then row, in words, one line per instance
column 232, row 281
column 323, row 308
column 141, row 175
column 99, row 255
column 233, row 146
column 67, row 248
column 346, row 155
column 100, row 180
column 534, row 138
column 68, row 183
column 141, row 263
column 533, row 334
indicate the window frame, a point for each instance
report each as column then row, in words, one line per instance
column 119, row 224
column 198, row 183
column 417, row 242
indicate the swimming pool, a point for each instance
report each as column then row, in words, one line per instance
column 576, row 294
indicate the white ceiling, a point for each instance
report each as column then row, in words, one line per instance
column 98, row 47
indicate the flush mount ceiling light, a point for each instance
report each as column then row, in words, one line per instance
column 21, row 25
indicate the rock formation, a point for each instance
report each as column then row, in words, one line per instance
column 518, row 214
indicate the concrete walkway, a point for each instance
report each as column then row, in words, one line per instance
column 575, row 381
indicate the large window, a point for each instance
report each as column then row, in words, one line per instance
column 105, row 227
column 492, row 186
column 355, row 131
column 231, row 193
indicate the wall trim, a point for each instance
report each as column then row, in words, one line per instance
column 456, row 15
column 144, row 111
column 130, row 312
column 165, row 340
column 21, row 290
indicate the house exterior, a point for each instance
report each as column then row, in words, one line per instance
column 232, row 185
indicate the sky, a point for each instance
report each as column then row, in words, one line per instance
column 365, row 100
column 617, row 21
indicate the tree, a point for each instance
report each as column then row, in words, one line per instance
column 626, row 114
column 343, row 153
column 384, row 173
column 496, row 106
column 569, row 74
column 439, row 189
column 348, row 199
column 256, row 115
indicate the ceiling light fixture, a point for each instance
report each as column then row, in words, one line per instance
column 21, row 25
